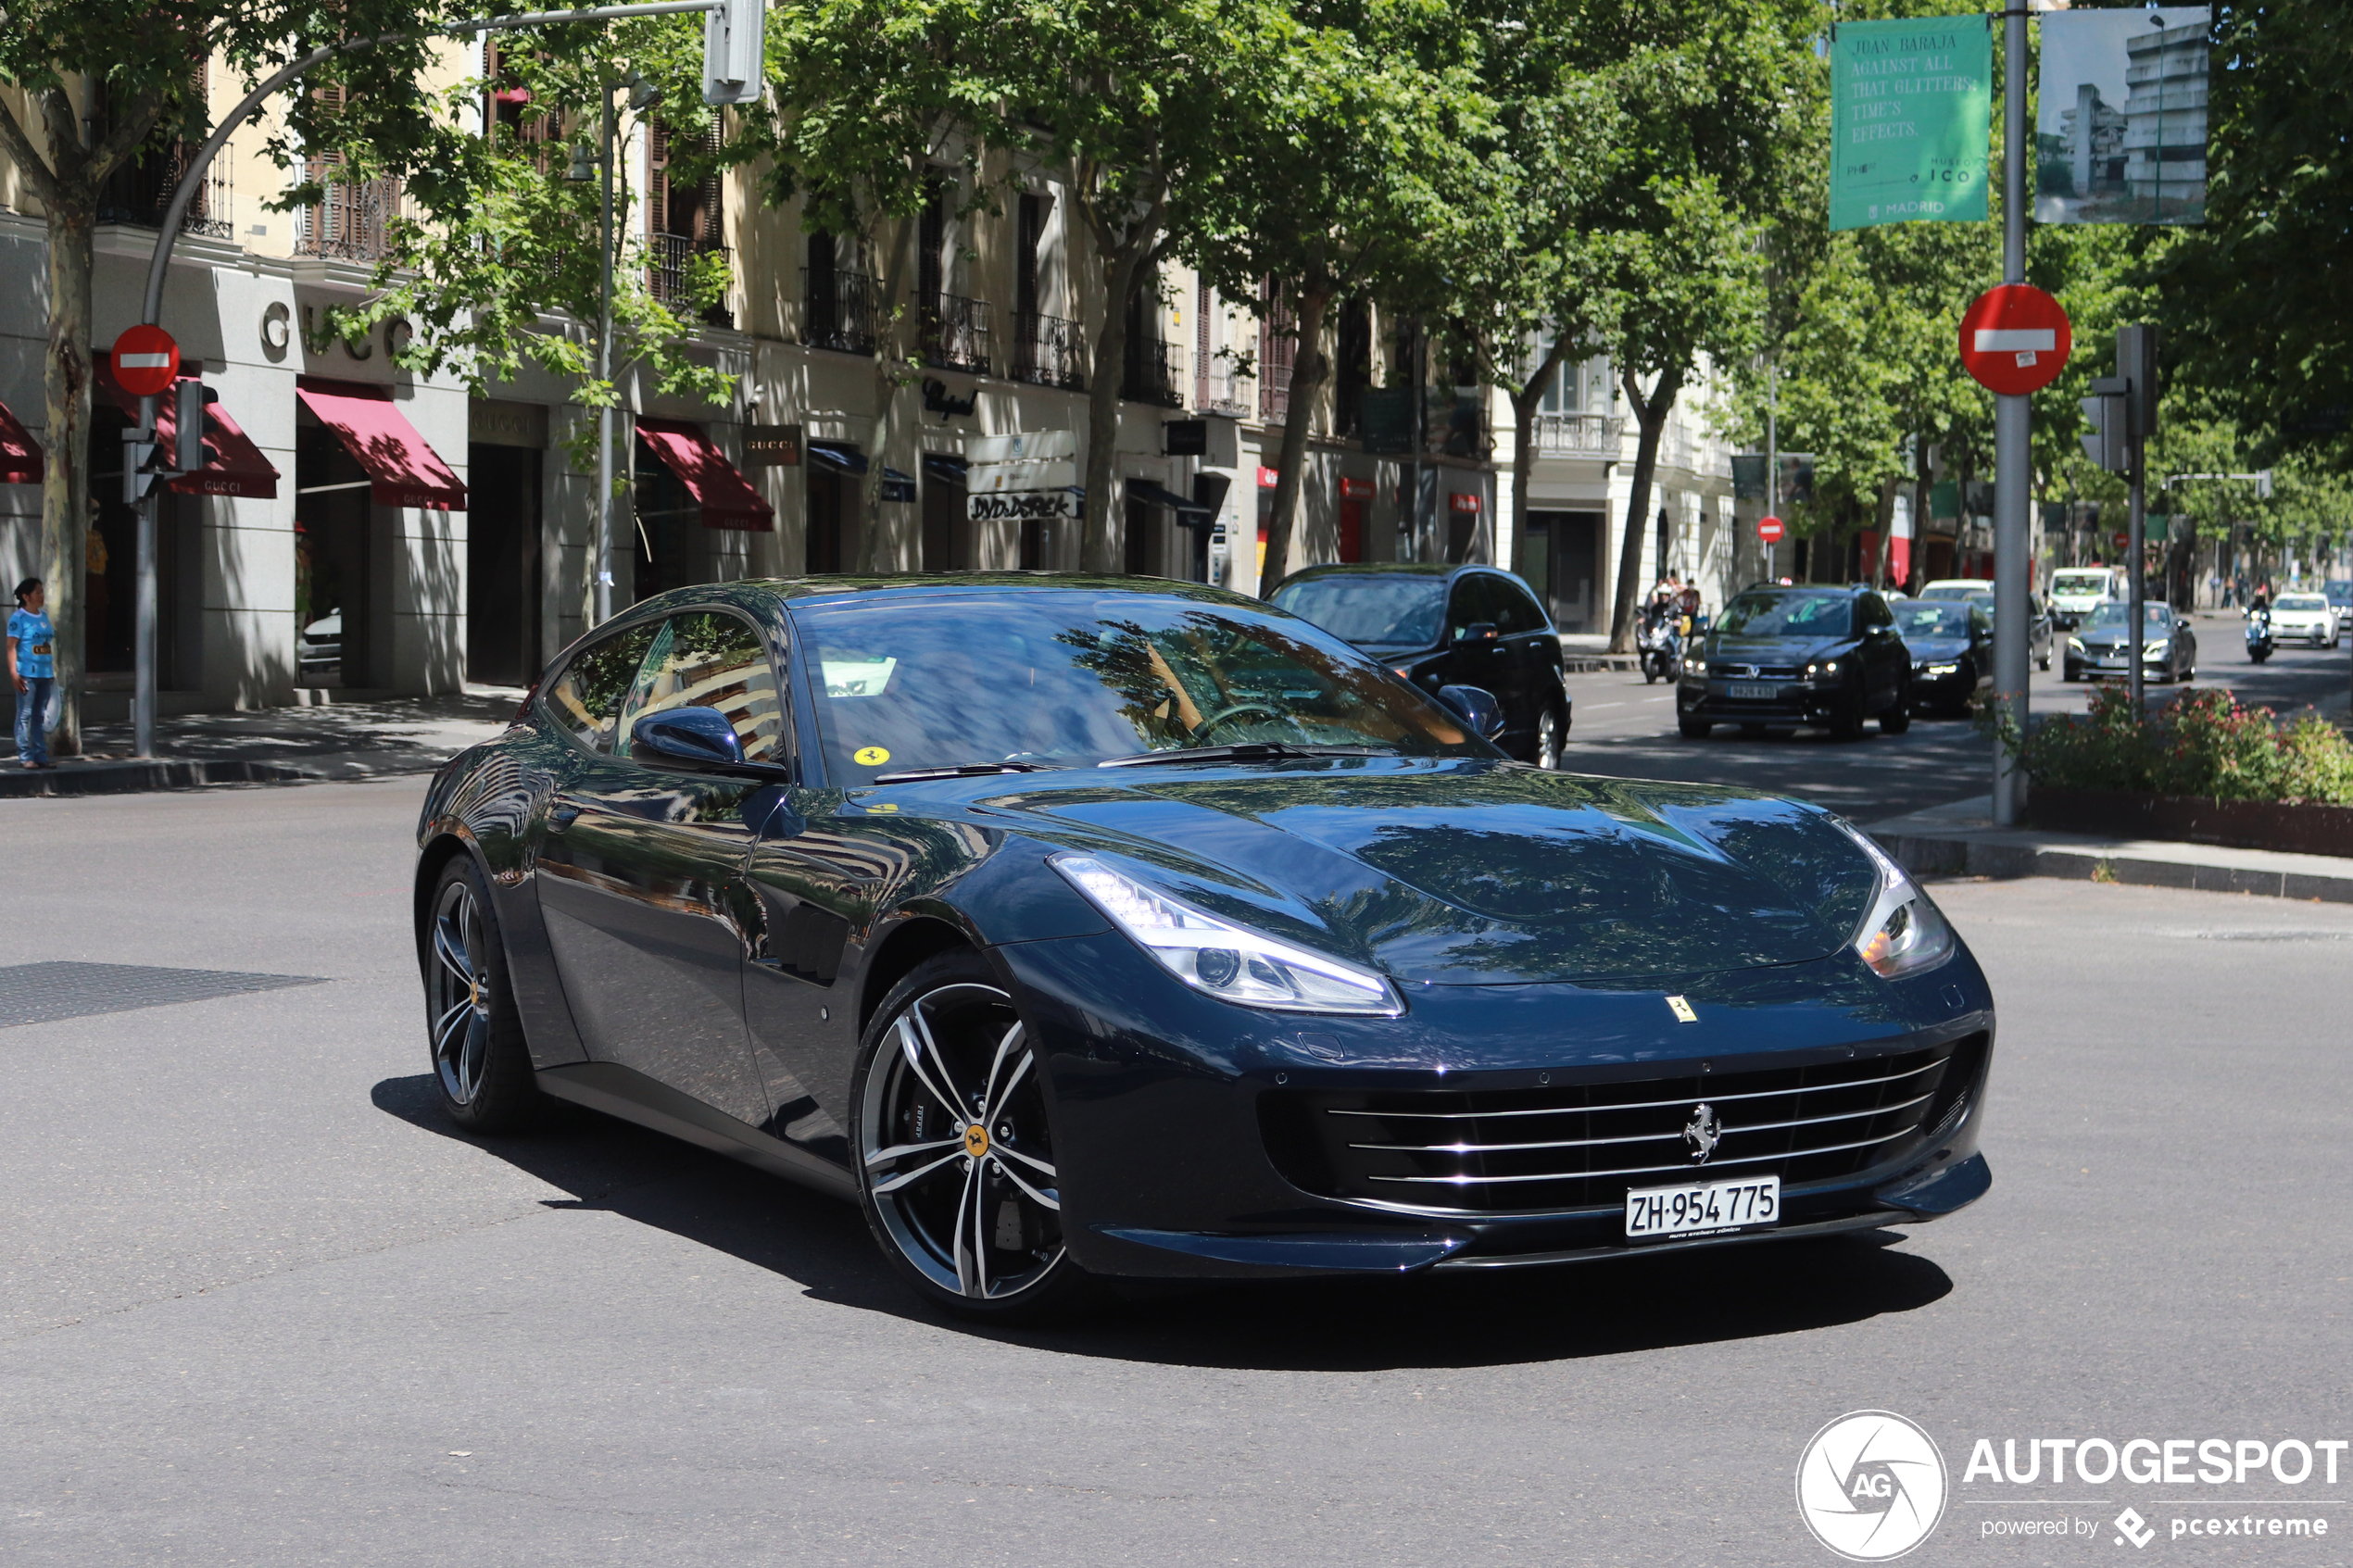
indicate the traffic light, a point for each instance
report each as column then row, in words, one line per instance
column 139, row 460
column 732, row 50
column 190, row 399
column 2109, row 442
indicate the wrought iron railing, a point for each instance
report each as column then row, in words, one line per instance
column 1049, row 351
column 1578, row 435
column 670, row 267
column 838, row 310
column 1152, row 372
column 353, row 223
column 140, row 193
column 955, row 332
column 1218, row 390
column 1273, row 384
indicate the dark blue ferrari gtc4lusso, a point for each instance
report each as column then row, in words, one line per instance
column 1084, row 928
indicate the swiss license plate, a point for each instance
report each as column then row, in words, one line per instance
column 1752, row 690
column 1708, row 1209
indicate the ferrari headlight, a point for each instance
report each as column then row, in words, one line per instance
column 1903, row 932
column 1231, row 962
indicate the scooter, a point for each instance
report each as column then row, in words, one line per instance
column 2259, row 634
column 1662, row 650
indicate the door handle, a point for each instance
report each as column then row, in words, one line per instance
column 560, row 815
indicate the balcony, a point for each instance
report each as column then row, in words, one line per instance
column 1217, row 390
column 1578, row 435
column 955, row 332
column 671, row 261
column 1049, row 351
column 353, row 224
column 1151, row 373
column 838, row 310
column 139, row 193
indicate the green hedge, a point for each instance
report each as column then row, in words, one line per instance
column 2203, row 743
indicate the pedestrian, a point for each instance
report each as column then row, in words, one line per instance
column 33, row 670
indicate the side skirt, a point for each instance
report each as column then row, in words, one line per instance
column 633, row 1096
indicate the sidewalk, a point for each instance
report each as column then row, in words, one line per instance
column 1961, row 840
column 1582, row 653
column 361, row 740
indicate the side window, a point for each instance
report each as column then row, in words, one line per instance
column 1474, row 601
column 710, row 660
column 585, row 699
column 1515, row 610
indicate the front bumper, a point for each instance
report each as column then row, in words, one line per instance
column 1793, row 702
column 1953, row 690
column 1170, row 1165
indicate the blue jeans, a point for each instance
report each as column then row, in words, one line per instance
column 32, row 718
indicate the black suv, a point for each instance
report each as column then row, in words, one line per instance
column 1448, row 626
column 1823, row 656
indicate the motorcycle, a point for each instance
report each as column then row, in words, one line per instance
column 1661, row 649
column 2259, row 636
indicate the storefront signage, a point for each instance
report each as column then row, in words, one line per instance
column 1460, row 502
column 1355, row 489
column 1021, row 506
column 771, row 446
column 1021, row 445
column 1268, row 478
column 493, row 422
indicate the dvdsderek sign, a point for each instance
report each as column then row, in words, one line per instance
column 1022, row 477
column 1022, row 505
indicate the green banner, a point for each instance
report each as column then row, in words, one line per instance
column 1911, row 116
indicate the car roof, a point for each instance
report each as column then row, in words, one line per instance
column 1386, row 569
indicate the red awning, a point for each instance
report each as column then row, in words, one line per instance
column 232, row 464
column 405, row 471
column 19, row 453
column 726, row 498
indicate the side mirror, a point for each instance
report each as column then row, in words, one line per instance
column 1478, row 631
column 1476, row 707
column 699, row 740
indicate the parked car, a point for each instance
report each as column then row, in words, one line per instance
column 1957, row 587
column 2104, row 645
column 2076, row 591
column 1077, row 927
column 2041, row 641
column 1446, row 626
column 1822, row 656
column 2305, row 617
column 319, row 646
column 1952, row 647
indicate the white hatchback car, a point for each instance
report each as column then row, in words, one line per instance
column 2304, row 618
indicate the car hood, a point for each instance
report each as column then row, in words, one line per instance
column 1774, row 651
column 1924, row 648
column 1474, row 872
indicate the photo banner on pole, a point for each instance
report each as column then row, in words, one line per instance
column 2120, row 132
column 1911, row 120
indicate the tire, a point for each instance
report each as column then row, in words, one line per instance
column 1752, row 730
column 2069, row 675
column 1898, row 719
column 473, row 1031
column 1551, row 737
column 943, row 1199
column 1693, row 729
column 1847, row 722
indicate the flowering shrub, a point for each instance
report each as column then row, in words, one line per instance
column 2203, row 743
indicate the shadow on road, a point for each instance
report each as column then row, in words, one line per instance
column 1326, row 1325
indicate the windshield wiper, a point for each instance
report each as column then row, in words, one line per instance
column 960, row 771
column 1244, row 751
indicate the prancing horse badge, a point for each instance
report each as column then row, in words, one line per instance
column 1682, row 1009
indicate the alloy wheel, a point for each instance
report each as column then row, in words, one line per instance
column 954, row 1147
column 1548, row 739
column 460, row 995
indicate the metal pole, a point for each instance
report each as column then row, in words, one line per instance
column 601, row 607
column 2136, row 553
column 1772, row 457
column 142, row 680
column 2013, row 571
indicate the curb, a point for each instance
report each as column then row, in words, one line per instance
column 2136, row 863
column 136, row 778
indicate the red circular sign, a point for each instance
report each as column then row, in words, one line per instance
column 146, row 362
column 1770, row 530
column 2014, row 339
column 2123, row 540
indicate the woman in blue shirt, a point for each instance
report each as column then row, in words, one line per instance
column 33, row 669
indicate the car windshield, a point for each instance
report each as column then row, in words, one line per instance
column 1393, row 609
column 1951, row 591
column 2303, row 601
column 2079, row 581
column 1070, row 678
column 2114, row 617
column 2340, row 591
column 1919, row 619
column 1786, row 615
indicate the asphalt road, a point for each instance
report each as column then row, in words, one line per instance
column 259, row 1305
column 1623, row 727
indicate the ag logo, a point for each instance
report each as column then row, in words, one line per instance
column 1870, row 1486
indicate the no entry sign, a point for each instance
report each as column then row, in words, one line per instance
column 146, row 361
column 2121, row 540
column 2015, row 340
column 1769, row 529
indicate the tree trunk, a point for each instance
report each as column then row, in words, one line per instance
column 1921, row 481
column 1884, row 516
column 1525, row 403
column 65, row 480
column 1651, row 416
column 1310, row 369
column 874, row 542
column 1100, row 543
